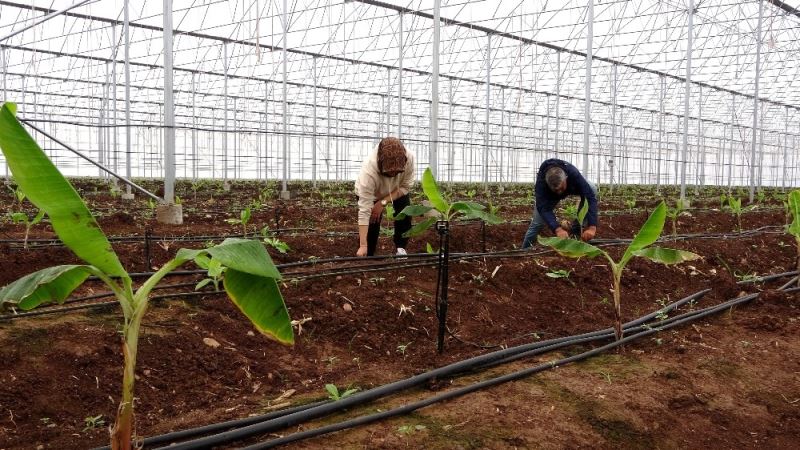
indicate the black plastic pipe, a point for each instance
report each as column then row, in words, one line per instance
column 391, row 388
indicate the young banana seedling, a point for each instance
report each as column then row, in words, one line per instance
column 250, row 278
column 640, row 246
column 794, row 227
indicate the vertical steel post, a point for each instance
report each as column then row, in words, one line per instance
column 587, row 114
column 225, row 65
column 127, row 32
column 488, row 103
column 314, row 130
column 660, row 133
column 169, row 109
column 194, row 126
column 558, row 98
column 686, row 97
column 400, row 80
column 284, row 189
column 755, row 101
column 613, row 161
column 433, row 133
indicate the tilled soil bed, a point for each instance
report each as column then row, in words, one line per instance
column 727, row 381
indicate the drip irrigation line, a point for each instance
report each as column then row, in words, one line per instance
column 98, row 305
column 645, row 331
column 464, row 366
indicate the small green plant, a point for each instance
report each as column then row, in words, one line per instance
column 794, row 227
column 21, row 217
column 681, row 206
column 243, row 220
column 640, row 246
column 271, row 240
column 735, row 207
column 151, row 205
column 19, row 196
column 559, row 273
column 630, row 204
column 92, row 422
column 402, row 349
column 214, row 270
column 250, row 279
column 447, row 211
column 761, row 197
column 335, row 395
column 410, row 429
column 430, row 250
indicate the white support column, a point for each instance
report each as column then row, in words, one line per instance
column 433, row 133
column 686, row 98
column 613, row 161
column 284, row 189
column 701, row 141
column 194, row 126
column 558, row 98
column 169, row 212
column 587, row 114
column 314, row 130
column 785, row 147
column 760, row 181
column 660, row 133
column 755, row 101
column 730, row 147
column 128, row 195
column 400, row 80
column 488, row 104
column 225, row 65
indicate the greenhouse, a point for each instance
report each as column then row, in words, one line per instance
column 472, row 224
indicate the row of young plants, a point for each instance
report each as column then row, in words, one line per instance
column 244, row 268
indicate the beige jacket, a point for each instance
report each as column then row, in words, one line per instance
column 371, row 185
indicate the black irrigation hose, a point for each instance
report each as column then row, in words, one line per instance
column 645, row 331
column 43, row 312
column 391, row 388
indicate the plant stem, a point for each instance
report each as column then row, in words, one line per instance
column 122, row 431
column 617, row 272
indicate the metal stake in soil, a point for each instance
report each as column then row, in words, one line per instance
column 443, row 228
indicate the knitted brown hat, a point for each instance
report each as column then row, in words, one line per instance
column 391, row 155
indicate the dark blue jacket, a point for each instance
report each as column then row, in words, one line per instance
column 546, row 200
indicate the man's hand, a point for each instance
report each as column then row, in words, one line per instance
column 562, row 233
column 362, row 251
column 589, row 233
column 375, row 215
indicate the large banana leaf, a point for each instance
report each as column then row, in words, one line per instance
column 413, row 211
column 260, row 300
column 51, row 192
column 431, row 191
column 251, row 283
column 794, row 208
column 666, row 255
column 649, row 232
column 53, row 284
column 571, row 247
column 487, row 217
column 245, row 256
column 420, row 227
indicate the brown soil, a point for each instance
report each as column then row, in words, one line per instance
column 727, row 381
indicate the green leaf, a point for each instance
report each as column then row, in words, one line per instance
column 38, row 218
column 245, row 215
column 649, row 232
column 794, row 208
column 666, row 255
column 429, row 248
column 51, row 192
column 582, row 212
column 420, row 227
column 571, row 247
column 467, row 206
column 333, row 391
column 53, row 284
column 489, row 218
column 202, row 283
column 244, row 255
column 260, row 300
column 413, row 211
column 431, row 191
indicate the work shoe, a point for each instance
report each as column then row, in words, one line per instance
column 401, row 252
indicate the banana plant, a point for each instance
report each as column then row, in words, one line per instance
column 640, row 246
column 250, row 278
column 21, row 217
column 735, row 206
column 681, row 206
column 446, row 211
column 244, row 219
column 794, row 227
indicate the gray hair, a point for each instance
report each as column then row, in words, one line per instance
column 554, row 177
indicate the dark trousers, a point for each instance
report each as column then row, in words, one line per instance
column 400, row 227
